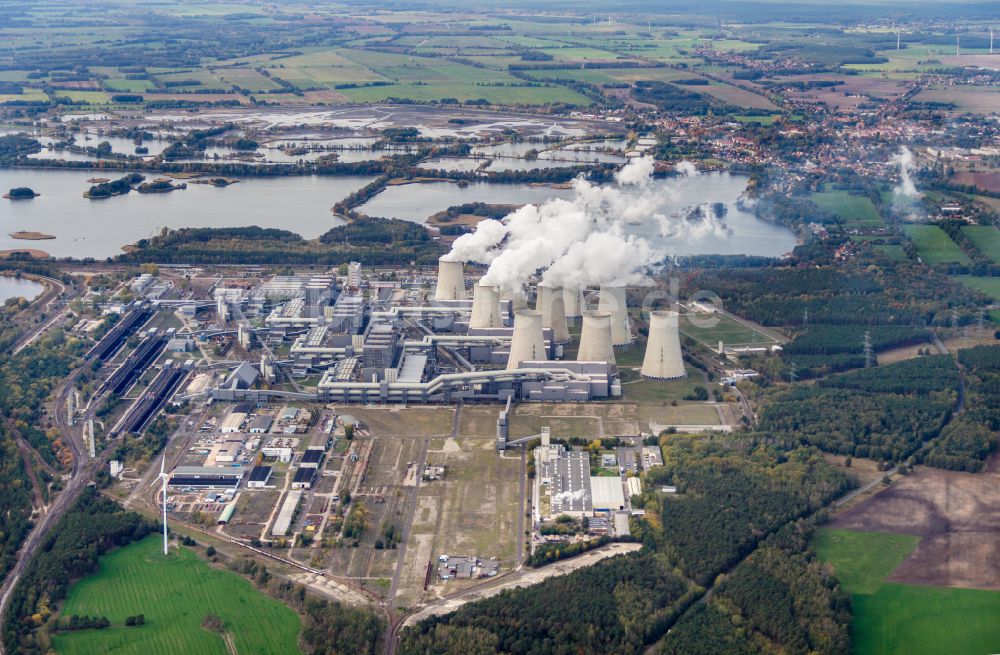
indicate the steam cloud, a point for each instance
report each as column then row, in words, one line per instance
column 906, row 187
column 582, row 241
column 905, row 195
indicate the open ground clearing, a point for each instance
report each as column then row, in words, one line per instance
column 934, row 245
column 175, row 593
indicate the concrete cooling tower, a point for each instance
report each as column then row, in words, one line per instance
column 595, row 339
column 663, row 360
column 528, row 342
column 517, row 299
column 573, row 302
column 451, row 281
column 485, row 307
column 550, row 303
column 612, row 301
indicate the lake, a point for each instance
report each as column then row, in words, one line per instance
column 13, row 287
column 99, row 228
column 747, row 234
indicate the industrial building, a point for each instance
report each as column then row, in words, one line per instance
column 259, row 477
column 304, row 478
column 286, row 514
column 402, row 346
column 207, row 477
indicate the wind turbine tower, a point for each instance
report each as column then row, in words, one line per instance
column 163, row 479
column 958, row 44
column 991, row 40
column 897, row 40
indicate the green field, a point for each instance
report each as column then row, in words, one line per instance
column 900, row 618
column 710, row 329
column 174, row 593
column 989, row 286
column 986, row 239
column 862, row 559
column 852, row 210
column 934, row 246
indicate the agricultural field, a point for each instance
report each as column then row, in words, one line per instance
column 986, row 239
column 975, row 99
column 174, row 593
column 989, row 286
column 892, row 618
column 852, row 210
column 934, row 246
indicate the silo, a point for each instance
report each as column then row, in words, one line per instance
column 612, row 301
column 663, row 360
column 549, row 302
column 595, row 339
column 451, row 281
column 528, row 342
column 573, row 302
column 485, row 307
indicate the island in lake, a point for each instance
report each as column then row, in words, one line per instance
column 26, row 235
column 21, row 193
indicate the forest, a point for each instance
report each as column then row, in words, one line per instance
column 886, row 412
column 92, row 527
column 627, row 603
column 371, row 241
column 780, row 599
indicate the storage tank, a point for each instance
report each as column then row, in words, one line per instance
column 528, row 342
column 451, row 281
column 595, row 339
column 612, row 301
column 549, row 302
column 573, row 302
column 663, row 359
column 485, row 307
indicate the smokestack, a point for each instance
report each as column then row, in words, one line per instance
column 595, row 339
column 550, row 303
column 663, row 360
column 573, row 302
column 451, row 281
column 485, row 307
column 528, row 342
column 612, row 301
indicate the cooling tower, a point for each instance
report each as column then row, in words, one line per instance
column 573, row 302
column 451, row 281
column 612, row 301
column 517, row 299
column 550, row 303
column 595, row 339
column 528, row 342
column 485, row 307
column 663, row 359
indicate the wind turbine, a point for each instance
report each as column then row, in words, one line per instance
column 163, row 479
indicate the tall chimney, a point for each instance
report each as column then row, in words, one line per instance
column 485, row 307
column 451, row 281
column 595, row 339
column 612, row 301
column 573, row 302
column 550, row 303
column 663, row 359
column 528, row 342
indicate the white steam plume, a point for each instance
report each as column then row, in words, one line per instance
column 582, row 241
column 686, row 168
column 906, row 187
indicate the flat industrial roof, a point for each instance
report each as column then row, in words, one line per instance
column 606, row 492
column 260, row 473
column 304, row 475
column 209, row 471
column 412, row 369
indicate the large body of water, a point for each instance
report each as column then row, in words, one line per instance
column 746, row 234
column 99, row 228
column 14, row 287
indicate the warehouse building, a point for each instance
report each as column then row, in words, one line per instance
column 606, row 494
column 286, row 514
column 207, row 477
column 259, row 477
column 304, row 478
column 313, row 457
